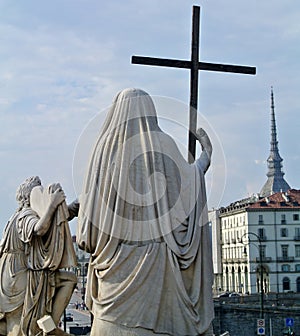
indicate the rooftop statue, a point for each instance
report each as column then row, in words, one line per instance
column 35, row 248
column 143, row 217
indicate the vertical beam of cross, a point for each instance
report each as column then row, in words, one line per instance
column 194, row 65
column 194, row 84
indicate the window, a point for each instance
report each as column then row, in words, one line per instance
column 283, row 219
column 261, row 233
column 285, row 268
column 284, row 251
column 297, row 268
column 284, row 232
column 297, row 233
column 240, row 252
column 262, row 249
column 286, row 283
column 297, row 250
column 260, row 219
column 296, row 217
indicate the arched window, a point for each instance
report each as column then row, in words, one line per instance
column 286, row 283
column 233, row 279
column 239, row 280
column 246, row 280
column 227, row 279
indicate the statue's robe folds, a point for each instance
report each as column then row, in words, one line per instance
column 143, row 218
column 29, row 264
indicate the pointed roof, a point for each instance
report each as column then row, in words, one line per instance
column 275, row 182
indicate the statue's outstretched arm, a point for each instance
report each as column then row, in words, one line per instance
column 73, row 209
column 204, row 160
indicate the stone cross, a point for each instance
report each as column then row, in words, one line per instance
column 194, row 65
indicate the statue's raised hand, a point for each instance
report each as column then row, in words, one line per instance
column 204, row 140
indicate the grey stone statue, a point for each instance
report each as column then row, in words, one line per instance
column 143, row 217
column 35, row 248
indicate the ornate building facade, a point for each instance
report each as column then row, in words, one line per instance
column 257, row 240
column 261, row 236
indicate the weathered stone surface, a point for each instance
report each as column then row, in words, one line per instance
column 143, row 216
column 36, row 246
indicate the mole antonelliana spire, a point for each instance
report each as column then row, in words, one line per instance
column 275, row 182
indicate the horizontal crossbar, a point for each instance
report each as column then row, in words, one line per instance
column 173, row 63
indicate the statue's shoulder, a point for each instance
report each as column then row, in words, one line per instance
column 27, row 217
column 25, row 212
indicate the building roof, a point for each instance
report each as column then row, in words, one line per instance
column 239, row 205
column 281, row 200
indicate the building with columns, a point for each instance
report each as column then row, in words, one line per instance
column 258, row 238
column 266, row 228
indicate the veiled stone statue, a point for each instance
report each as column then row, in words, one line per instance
column 143, row 218
column 36, row 246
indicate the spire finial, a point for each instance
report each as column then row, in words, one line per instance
column 274, row 142
column 272, row 97
column 275, row 181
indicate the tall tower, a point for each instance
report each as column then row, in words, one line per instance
column 275, row 182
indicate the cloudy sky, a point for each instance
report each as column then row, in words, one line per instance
column 62, row 62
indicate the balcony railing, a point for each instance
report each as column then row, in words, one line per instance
column 234, row 260
column 288, row 259
column 264, row 259
column 297, row 238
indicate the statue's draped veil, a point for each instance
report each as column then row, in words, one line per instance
column 138, row 192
